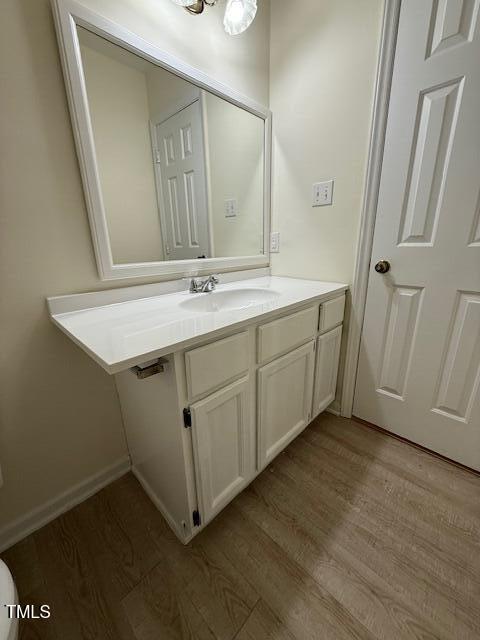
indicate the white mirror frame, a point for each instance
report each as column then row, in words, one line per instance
column 70, row 13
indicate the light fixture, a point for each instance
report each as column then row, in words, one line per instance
column 195, row 6
column 239, row 14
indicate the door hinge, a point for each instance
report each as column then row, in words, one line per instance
column 158, row 158
column 187, row 417
column 197, row 521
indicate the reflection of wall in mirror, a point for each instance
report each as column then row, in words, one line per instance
column 234, row 157
column 117, row 94
column 167, row 93
column 235, row 149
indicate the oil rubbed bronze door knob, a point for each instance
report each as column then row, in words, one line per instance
column 382, row 266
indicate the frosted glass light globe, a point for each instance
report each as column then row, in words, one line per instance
column 184, row 3
column 239, row 15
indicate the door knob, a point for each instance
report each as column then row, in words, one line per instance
column 382, row 266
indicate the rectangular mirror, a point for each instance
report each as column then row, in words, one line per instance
column 175, row 166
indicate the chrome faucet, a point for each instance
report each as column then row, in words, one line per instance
column 197, row 285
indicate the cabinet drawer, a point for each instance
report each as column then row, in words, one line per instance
column 286, row 333
column 331, row 313
column 217, row 363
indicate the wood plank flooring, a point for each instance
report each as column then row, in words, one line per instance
column 348, row 534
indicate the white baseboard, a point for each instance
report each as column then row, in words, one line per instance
column 40, row 516
column 184, row 539
column 333, row 409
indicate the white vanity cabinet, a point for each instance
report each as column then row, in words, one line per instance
column 285, row 388
column 326, row 369
column 328, row 353
column 223, row 438
column 285, row 384
column 201, row 430
column 212, row 386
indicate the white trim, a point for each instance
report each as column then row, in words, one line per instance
column 158, row 185
column 369, row 209
column 333, row 409
column 208, row 171
column 267, row 185
column 20, row 528
column 70, row 13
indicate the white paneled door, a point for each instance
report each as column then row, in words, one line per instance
column 180, row 160
column 419, row 369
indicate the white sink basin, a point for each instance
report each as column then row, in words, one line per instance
column 231, row 300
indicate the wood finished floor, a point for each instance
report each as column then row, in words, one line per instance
column 348, row 534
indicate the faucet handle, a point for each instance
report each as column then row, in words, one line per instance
column 195, row 285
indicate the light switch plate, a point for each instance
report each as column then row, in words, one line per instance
column 322, row 193
column 231, row 208
column 275, row 242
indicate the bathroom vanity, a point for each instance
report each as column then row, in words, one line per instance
column 212, row 385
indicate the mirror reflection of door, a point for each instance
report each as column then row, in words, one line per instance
column 179, row 153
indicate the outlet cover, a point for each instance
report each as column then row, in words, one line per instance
column 322, row 193
column 231, row 208
column 275, row 242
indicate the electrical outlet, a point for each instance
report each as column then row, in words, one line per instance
column 322, row 193
column 275, row 242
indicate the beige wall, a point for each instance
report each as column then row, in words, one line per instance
column 166, row 91
column 240, row 62
column 323, row 60
column 60, row 418
column 323, row 64
column 118, row 102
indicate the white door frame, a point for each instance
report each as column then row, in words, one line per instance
column 383, row 84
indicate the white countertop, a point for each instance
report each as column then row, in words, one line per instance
column 121, row 335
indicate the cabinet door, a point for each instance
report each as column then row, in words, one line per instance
column 222, row 446
column 285, row 389
column 326, row 370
